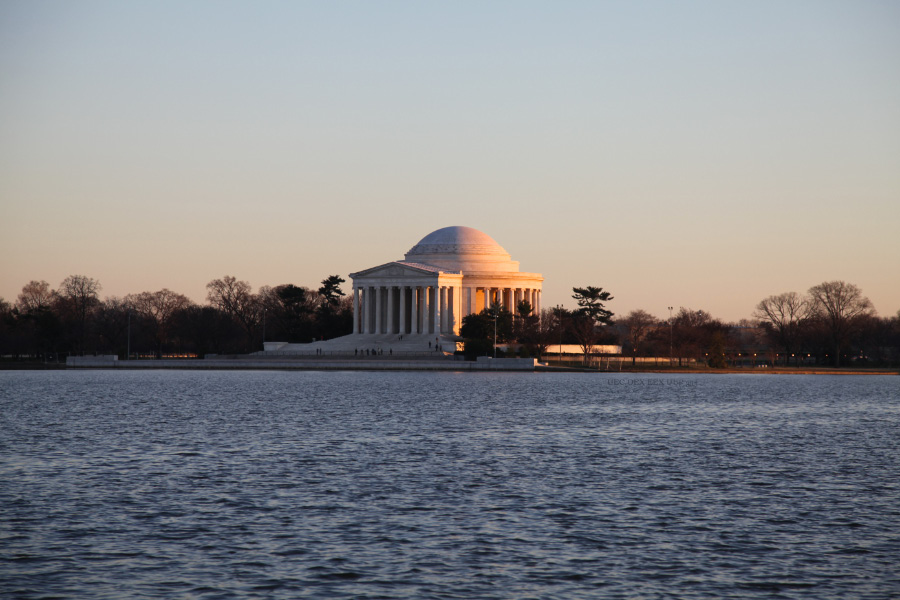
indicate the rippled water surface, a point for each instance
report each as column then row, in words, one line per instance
column 416, row 485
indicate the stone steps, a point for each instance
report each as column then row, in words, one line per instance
column 385, row 342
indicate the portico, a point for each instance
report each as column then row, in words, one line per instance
column 403, row 298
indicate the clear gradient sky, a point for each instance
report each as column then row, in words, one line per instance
column 696, row 154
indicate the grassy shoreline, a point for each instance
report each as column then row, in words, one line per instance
column 736, row 371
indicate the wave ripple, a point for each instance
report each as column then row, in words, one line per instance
column 417, row 485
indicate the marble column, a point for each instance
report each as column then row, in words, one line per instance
column 390, row 309
column 414, row 309
column 438, row 308
column 457, row 310
column 402, row 328
column 448, row 308
column 426, row 308
column 445, row 309
column 429, row 312
column 421, row 308
column 365, row 309
column 378, row 307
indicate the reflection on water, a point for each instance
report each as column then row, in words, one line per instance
column 423, row 485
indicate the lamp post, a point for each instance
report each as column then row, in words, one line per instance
column 670, row 336
column 128, row 347
column 559, row 324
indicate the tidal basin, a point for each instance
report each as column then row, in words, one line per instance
column 251, row 484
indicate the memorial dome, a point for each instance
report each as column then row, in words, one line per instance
column 461, row 248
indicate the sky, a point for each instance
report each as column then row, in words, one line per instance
column 697, row 154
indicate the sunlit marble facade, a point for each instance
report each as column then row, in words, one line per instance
column 450, row 273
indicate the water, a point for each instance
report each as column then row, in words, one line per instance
column 420, row 485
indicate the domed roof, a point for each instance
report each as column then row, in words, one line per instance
column 461, row 247
column 455, row 240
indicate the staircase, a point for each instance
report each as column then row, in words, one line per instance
column 380, row 344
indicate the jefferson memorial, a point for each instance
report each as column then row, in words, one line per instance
column 418, row 303
column 450, row 273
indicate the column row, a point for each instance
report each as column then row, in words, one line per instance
column 477, row 299
column 406, row 309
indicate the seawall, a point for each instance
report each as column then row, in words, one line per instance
column 307, row 364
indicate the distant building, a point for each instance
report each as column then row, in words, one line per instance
column 450, row 273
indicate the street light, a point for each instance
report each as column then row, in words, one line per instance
column 559, row 324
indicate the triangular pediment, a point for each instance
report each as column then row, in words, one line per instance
column 397, row 269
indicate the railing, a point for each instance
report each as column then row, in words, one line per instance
column 622, row 363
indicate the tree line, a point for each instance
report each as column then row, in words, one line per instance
column 587, row 326
column 48, row 323
column 832, row 324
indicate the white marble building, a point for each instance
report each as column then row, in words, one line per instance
column 450, row 273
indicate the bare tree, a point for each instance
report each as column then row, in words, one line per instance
column 8, row 345
column 689, row 318
column 158, row 308
column 535, row 332
column 784, row 317
column 236, row 299
column 35, row 296
column 638, row 323
column 840, row 306
column 111, row 319
column 584, row 330
column 696, row 333
column 77, row 295
column 548, row 331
